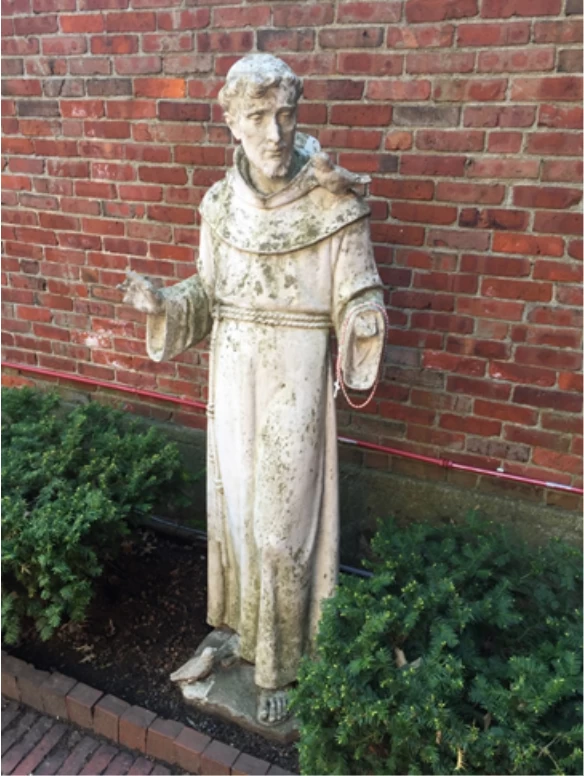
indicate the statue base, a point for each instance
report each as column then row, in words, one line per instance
column 230, row 693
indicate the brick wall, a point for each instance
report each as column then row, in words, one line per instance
column 467, row 114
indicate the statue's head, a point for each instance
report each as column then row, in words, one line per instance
column 260, row 99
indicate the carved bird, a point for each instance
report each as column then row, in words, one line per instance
column 195, row 669
column 334, row 178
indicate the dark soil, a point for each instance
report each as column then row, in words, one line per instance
column 146, row 620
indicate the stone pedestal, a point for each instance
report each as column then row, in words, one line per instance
column 230, row 693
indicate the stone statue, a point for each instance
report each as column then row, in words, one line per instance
column 285, row 255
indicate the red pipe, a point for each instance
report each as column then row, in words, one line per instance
column 345, row 440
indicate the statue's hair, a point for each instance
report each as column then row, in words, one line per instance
column 253, row 75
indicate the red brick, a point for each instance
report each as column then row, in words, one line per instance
column 139, row 65
column 160, row 87
column 524, row 290
column 570, row 464
column 493, row 219
column 356, row 37
column 361, row 115
column 431, row 214
column 316, row 14
column 556, row 271
column 426, row 116
column 161, row 735
column 504, row 9
column 558, row 223
column 28, row 678
column 218, row 758
column 267, row 40
column 419, row 37
column 256, row 16
column 395, row 188
column 137, row 21
column 99, row 760
column 552, row 88
column 12, row 667
column 81, row 701
column 494, row 308
column 20, row 749
column 516, row 61
column 470, row 425
column 133, row 726
column 142, row 193
column 558, row 31
column 111, row 171
column 190, row 19
column 41, row 750
column 555, row 143
column 161, row 43
column 246, row 764
column 114, row 45
column 483, row 194
column 418, row 164
column 174, row 215
column 82, row 23
column 53, row 692
column 450, row 140
column 504, row 142
column 106, row 716
column 369, row 64
column 440, row 10
column 478, row 35
column 439, row 62
column 570, row 61
column 204, row 155
column 569, row 381
column 556, row 170
column 398, row 141
column 17, row 47
column 398, row 234
column 36, row 25
column 351, row 138
column 189, row 745
column 556, row 400
column 503, row 168
column 121, row 763
column 183, row 111
column 487, row 116
column 506, row 412
column 20, row 87
column 399, row 90
column 551, row 358
column 560, row 117
column 64, row 46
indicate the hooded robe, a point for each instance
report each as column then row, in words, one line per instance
column 275, row 274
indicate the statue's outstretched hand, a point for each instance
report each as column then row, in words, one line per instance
column 140, row 292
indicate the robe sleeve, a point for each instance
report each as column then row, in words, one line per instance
column 361, row 335
column 187, row 318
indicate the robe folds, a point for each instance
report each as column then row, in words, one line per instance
column 275, row 274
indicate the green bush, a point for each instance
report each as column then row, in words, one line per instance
column 462, row 654
column 73, row 483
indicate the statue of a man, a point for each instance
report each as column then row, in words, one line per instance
column 285, row 255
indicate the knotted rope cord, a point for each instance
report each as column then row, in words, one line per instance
column 340, row 381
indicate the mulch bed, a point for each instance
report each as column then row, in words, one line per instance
column 146, row 620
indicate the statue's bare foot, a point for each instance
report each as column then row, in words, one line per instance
column 273, row 707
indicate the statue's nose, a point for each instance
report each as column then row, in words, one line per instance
column 274, row 131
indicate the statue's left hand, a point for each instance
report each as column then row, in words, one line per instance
column 366, row 324
column 140, row 292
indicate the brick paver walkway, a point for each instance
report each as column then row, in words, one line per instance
column 33, row 743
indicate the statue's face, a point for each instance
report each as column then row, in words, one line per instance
column 266, row 127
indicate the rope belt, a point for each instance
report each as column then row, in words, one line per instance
column 272, row 317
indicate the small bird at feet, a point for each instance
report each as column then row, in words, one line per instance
column 334, row 178
column 195, row 669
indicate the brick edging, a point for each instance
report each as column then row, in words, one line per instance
column 133, row 727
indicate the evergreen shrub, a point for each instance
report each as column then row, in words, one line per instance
column 461, row 654
column 73, row 483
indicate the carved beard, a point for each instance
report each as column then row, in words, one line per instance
column 277, row 166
